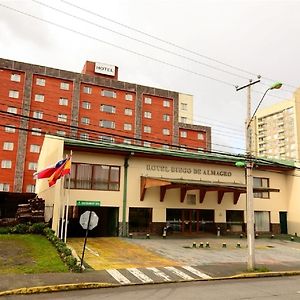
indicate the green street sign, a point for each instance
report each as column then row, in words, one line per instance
column 88, row 203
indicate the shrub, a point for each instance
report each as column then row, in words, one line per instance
column 20, row 228
column 37, row 228
column 5, row 230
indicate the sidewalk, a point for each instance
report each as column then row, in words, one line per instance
column 147, row 255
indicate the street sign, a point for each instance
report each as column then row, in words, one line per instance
column 88, row 203
column 89, row 219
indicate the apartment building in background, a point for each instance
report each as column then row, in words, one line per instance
column 276, row 130
column 91, row 105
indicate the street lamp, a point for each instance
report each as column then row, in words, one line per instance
column 249, row 171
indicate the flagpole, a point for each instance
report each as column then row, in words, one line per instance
column 62, row 222
column 68, row 200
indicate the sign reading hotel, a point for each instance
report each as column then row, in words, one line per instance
column 187, row 170
column 105, row 69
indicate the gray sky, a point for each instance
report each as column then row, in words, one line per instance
column 260, row 37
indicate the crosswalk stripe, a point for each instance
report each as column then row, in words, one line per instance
column 118, row 276
column 140, row 275
column 160, row 274
column 196, row 272
column 179, row 273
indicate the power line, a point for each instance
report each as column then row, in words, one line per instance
column 118, row 47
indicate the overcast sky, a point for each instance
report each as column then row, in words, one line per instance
column 216, row 40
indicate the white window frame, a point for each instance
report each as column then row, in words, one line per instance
column 39, row 97
column 4, row 187
column 166, row 118
column 127, row 141
column 127, row 126
column 128, row 112
column 63, row 101
column 61, row 132
column 166, row 103
column 12, row 110
column 36, row 131
column 147, row 129
column 65, row 86
column 183, row 120
column 105, row 123
column 87, row 90
column 8, row 146
column 30, row 188
column 38, row 115
column 184, row 106
column 15, row 77
column 148, row 115
column 86, row 105
column 200, row 136
column 35, row 148
column 85, row 120
column 166, row 131
column 128, row 97
column 10, row 128
column 40, row 81
column 6, row 164
column 62, row 118
column 148, row 100
column 108, row 108
column 13, row 94
column 32, row 166
column 183, row 134
column 108, row 93
column 106, row 139
column 84, row 136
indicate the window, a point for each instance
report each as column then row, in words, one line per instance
column 107, row 124
column 15, row 77
column 40, row 81
column 128, row 97
column 147, row 129
column 86, row 105
column 6, row 164
column 12, row 110
column 147, row 144
column 261, row 183
column 166, row 131
column 127, row 141
column 30, row 188
column 85, row 120
column 64, row 86
column 128, row 111
column 109, row 94
column 39, row 98
column 108, row 108
column 95, row 177
column 166, row 117
column 60, row 132
column 166, row 103
column 63, row 101
column 262, row 221
column 166, row 147
column 127, row 126
column 106, row 138
column 184, row 106
column 36, row 131
column 84, row 136
column 38, row 114
column 9, row 146
column 200, row 136
column 191, row 199
column 148, row 100
column 35, row 148
column 183, row 119
column 87, row 90
column 32, row 166
column 183, row 134
column 10, row 128
column 4, row 187
column 62, row 118
column 13, row 94
column 147, row 114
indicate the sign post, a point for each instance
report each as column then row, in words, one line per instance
column 88, row 220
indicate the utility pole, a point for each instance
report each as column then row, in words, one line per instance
column 249, row 180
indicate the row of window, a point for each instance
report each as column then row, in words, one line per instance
column 5, row 187
column 7, row 164
column 42, row 82
column 9, row 146
column 184, row 134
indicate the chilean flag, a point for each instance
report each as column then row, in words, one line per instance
column 48, row 172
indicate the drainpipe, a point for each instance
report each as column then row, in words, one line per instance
column 124, row 227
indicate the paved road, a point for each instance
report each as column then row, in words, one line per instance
column 286, row 288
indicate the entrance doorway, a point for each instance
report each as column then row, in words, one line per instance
column 190, row 220
column 283, row 222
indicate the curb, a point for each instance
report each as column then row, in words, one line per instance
column 57, row 288
column 96, row 285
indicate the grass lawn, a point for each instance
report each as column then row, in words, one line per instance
column 28, row 253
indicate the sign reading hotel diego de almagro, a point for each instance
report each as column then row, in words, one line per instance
column 105, row 69
column 187, row 170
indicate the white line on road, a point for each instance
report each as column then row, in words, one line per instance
column 159, row 273
column 140, row 275
column 118, row 276
column 196, row 272
column 92, row 251
column 179, row 273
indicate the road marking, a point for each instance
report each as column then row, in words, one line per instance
column 160, row 274
column 92, row 251
column 196, row 272
column 118, row 276
column 140, row 275
column 179, row 273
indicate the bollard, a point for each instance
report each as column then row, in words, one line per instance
column 272, row 236
column 218, row 231
column 148, row 236
column 207, row 245
column 292, row 238
column 164, row 232
column 201, row 245
column 241, row 236
column 130, row 235
column 256, row 235
column 194, row 245
column 164, row 235
column 224, row 245
column 238, row 245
